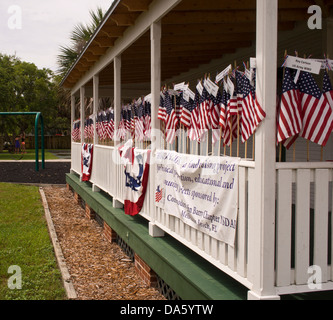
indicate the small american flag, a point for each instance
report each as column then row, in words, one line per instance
column 252, row 113
column 223, row 111
column 290, row 114
column 317, row 112
column 147, row 120
column 193, row 132
column 215, row 116
column 110, row 124
column 187, row 109
column 158, row 195
column 161, row 110
column 171, row 119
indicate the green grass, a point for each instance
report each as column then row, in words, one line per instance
column 25, row 242
column 30, row 155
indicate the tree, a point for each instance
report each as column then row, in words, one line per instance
column 25, row 88
column 79, row 37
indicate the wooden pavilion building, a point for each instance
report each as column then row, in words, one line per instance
column 285, row 199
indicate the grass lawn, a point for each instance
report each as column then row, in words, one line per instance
column 30, row 155
column 25, row 242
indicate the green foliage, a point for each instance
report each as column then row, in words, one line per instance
column 24, row 88
column 25, row 242
column 79, row 37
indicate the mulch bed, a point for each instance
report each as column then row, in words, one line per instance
column 99, row 270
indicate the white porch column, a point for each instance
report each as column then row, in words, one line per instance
column 83, row 116
column 95, row 111
column 72, row 114
column 155, row 40
column 72, row 120
column 261, row 256
column 117, row 90
column 83, row 111
column 96, row 104
column 117, row 112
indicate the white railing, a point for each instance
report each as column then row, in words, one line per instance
column 231, row 260
column 76, row 157
column 304, row 224
column 304, row 227
column 108, row 175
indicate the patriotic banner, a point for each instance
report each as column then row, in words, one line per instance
column 201, row 191
column 87, row 159
column 136, row 163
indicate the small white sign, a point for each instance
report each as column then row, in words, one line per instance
column 307, row 65
column 253, row 63
column 200, row 88
column 223, row 74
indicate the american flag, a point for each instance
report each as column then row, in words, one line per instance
column 161, row 111
column 104, row 125
column 223, row 112
column 290, row 113
column 232, row 114
column 98, row 125
column 188, row 107
column 121, row 132
column 147, row 120
column 139, row 122
column 252, row 113
column 86, row 129
column 259, row 112
column 171, row 118
column 204, row 121
column 215, row 116
column 91, row 127
column 127, row 117
column 193, row 132
column 317, row 112
column 76, row 133
column 179, row 106
column 158, row 195
column 110, row 124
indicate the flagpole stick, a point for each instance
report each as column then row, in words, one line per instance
column 231, row 136
column 280, row 144
column 238, row 123
column 322, row 147
column 177, row 138
column 307, row 143
column 254, row 145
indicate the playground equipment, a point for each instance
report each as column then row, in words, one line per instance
column 39, row 118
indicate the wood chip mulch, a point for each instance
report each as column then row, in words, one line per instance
column 99, row 270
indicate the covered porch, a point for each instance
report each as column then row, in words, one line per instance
column 284, row 227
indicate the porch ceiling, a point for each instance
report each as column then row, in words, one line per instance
column 193, row 33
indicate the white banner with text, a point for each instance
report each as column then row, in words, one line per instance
column 201, row 191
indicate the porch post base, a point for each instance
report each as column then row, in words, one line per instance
column 117, row 204
column 95, row 188
column 155, row 231
column 252, row 296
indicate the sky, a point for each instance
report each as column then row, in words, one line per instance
column 33, row 30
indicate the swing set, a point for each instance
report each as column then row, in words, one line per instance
column 39, row 118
